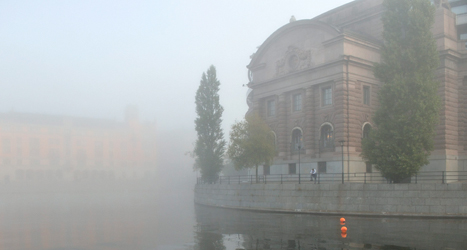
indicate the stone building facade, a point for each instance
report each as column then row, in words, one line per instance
column 56, row 147
column 312, row 80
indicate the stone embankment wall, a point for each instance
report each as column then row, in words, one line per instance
column 333, row 198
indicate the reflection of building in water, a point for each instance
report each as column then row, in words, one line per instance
column 35, row 146
column 299, row 231
column 69, row 220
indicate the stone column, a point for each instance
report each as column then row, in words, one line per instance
column 309, row 116
column 282, row 125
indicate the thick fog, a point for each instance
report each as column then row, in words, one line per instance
column 70, row 72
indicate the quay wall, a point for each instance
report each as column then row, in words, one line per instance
column 431, row 200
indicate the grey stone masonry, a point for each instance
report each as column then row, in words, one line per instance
column 445, row 200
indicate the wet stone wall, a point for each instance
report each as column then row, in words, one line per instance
column 330, row 198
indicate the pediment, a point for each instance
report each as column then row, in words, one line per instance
column 294, row 47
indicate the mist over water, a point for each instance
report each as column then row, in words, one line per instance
column 159, row 213
column 146, row 213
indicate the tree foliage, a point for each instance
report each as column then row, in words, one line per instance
column 210, row 145
column 251, row 143
column 408, row 112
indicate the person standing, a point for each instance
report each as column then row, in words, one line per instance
column 313, row 175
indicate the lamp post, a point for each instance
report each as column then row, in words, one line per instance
column 342, row 149
column 299, row 149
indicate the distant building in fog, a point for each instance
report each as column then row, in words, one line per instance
column 312, row 80
column 35, row 147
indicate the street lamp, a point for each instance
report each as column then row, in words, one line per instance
column 299, row 149
column 342, row 149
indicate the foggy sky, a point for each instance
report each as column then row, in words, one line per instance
column 94, row 57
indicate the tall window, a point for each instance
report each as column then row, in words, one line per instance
column 271, row 108
column 297, row 102
column 326, row 96
column 297, row 140
column 366, row 95
column 327, row 138
column 273, row 139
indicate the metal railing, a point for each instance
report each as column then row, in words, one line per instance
column 442, row 177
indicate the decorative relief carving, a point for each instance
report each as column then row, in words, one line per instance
column 294, row 59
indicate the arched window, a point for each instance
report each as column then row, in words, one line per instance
column 366, row 130
column 274, row 139
column 297, row 142
column 327, row 136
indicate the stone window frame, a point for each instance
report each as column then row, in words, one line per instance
column 294, row 144
column 329, row 142
column 366, row 94
column 323, row 100
column 275, row 139
column 297, row 103
column 271, row 112
column 363, row 129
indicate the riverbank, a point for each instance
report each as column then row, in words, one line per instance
column 412, row 200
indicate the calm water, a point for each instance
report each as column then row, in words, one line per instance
column 228, row 229
column 147, row 216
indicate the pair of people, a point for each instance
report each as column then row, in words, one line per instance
column 313, row 175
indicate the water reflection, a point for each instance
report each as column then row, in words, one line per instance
column 148, row 215
column 233, row 229
column 94, row 216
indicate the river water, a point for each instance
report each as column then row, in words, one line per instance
column 144, row 215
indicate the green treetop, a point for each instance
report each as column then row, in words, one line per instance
column 251, row 143
column 210, row 145
column 406, row 118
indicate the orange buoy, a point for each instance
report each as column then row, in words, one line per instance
column 342, row 220
column 344, row 235
column 344, row 230
column 342, row 223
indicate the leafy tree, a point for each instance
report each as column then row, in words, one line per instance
column 408, row 112
column 210, row 145
column 251, row 143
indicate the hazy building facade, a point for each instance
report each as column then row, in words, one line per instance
column 44, row 147
column 312, row 80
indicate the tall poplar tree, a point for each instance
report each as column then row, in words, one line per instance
column 210, row 145
column 406, row 118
